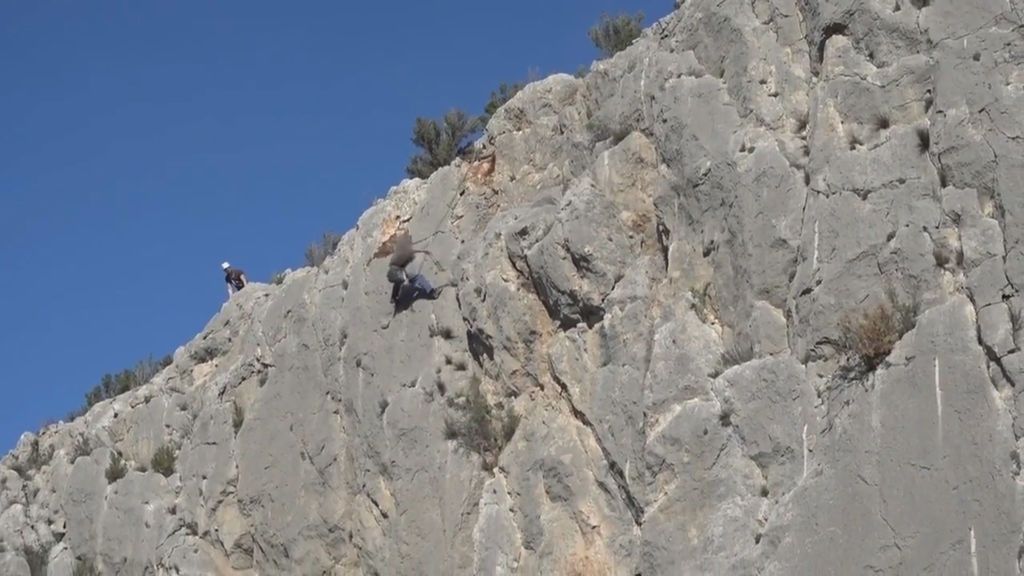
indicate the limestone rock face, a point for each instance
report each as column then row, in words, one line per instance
column 643, row 362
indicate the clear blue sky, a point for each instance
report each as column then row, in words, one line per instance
column 142, row 143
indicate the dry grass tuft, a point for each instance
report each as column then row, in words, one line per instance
column 868, row 336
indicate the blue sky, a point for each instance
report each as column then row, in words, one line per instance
column 142, row 143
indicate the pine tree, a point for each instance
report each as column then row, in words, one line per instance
column 612, row 35
column 440, row 142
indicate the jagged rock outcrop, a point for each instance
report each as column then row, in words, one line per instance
column 653, row 277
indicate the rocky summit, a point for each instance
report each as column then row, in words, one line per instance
column 744, row 299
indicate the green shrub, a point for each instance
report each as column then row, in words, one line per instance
column 163, row 460
column 112, row 385
column 601, row 131
column 116, row 469
column 704, row 302
column 479, row 427
column 75, row 414
column 440, row 141
column 82, row 447
column 612, row 35
column 318, row 252
column 205, row 353
column 278, row 278
column 35, row 459
column 499, row 97
column 38, row 457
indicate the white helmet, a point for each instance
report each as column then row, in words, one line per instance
column 225, row 266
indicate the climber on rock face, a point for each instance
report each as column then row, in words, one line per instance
column 417, row 288
column 403, row 255
column 235, row 278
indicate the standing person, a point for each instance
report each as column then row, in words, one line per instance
column 235, row 278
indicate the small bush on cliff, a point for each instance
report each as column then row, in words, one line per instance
column 36, row 458
column 85, row 567
column 600, row 130
column 318, row 252
column 479, row 427
column 868, row 336
column 924, row 139
column 498, row 98
column 440, row 141
column 237, row 416
column 443, row 332
column 613, row 35
column 739, row 352
column 116, row 469
column 163, row 460
column 205, row 353
column 81, row 448
column 112, row 385
column 37, row 558
column 705, row 304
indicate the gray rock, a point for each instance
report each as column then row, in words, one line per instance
column 700, row 486
column 13, row 564
column 83, row 501
column 987, row 283
column 767, row 329
column 495, row 534
column 1015, row 266
column 62, row 561
column 655, row 268
column 133, row 523
column 981, row 240
column 770, row 404
column 888, row 476
column 996, row 329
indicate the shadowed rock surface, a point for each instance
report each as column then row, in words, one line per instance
column 654, row 277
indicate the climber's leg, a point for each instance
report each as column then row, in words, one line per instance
column 422, row 286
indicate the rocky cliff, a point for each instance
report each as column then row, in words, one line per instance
column 743, row 300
